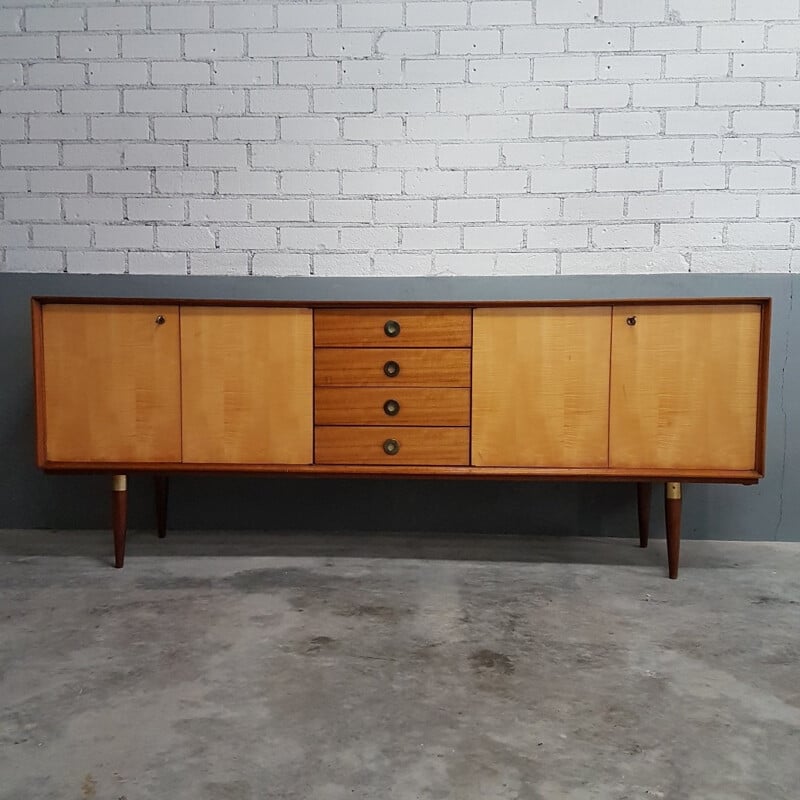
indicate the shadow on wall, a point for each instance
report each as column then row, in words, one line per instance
column 373, row 505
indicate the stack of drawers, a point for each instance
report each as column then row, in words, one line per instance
column 392, row 386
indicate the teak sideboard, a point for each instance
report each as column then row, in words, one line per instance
column 633, row 390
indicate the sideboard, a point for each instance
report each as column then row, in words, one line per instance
column 646, row 390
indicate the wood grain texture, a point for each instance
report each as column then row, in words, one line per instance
column 425, row 446
column 419, row 327
column 540, row 387
column 640, row 472
column 672, row 514
column 247, row 385
column 585, row 474
column 119, row 525
column 763, row 384
column 364, row 367
column 252, row 302
column 684, row 387
column 111, row 383
column 38, row 381
column 432, row 407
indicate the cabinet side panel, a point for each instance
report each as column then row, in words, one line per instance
column 684, row 386
column 38, row 382
column 540, row 386
column 247, row 381
column 111, row 383
column 763, row 386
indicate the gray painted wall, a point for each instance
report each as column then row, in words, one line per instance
column 30, row 499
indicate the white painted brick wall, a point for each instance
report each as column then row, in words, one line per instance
column 433, row 137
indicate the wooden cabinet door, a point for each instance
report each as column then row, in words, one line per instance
column 111, row 383
column 247, row 377
column 684, row 386
column 540, row 386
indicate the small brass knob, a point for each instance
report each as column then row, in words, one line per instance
column 391, row 447
column 391, row 369
column 392, row 328
column 391, row 408
column 160, row 319
column 631, row 321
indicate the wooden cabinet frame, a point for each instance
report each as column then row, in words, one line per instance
column 642, row 476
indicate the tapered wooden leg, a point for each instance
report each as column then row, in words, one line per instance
column 672, row 505
column 162, row 499
column 644, row 492
column 119, row 512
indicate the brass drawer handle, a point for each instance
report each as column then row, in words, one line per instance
column 391, row 408
column 391, row 369
column 631, row 321
column 392, row 328
column 391, row 447
column 160, row 319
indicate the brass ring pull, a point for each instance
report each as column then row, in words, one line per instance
column 391, row 369
column 391, row 447
column 391, row 408
column 160, row 319
column 631, row 321
column 392, row 328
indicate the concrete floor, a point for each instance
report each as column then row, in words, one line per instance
column 248, row 666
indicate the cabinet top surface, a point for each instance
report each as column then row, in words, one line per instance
column 660, row 301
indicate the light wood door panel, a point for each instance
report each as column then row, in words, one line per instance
column 417, row 327
column 684, row 386
column 415, row 446
column 111, row 383
column 540, row 386
column 247, row 385
column 417, row 367
column 427, row 407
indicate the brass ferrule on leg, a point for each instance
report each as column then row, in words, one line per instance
column 119, row 483
column 673, row 490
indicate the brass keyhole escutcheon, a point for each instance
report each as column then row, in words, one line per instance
column 391, row 408
column 392, row 328
column 391, row 369
column 631, row 321
column 160, row 319
column 391, row 447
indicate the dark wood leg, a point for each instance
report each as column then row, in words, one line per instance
column 672, row 505
column 119, row 512
column 644, row 492
column 162, row 499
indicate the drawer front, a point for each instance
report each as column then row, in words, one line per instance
column 391, row 367
column 393, row 327
column 392, row 446
column 392, row 406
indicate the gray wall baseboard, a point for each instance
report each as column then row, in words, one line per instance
column 766, row 512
